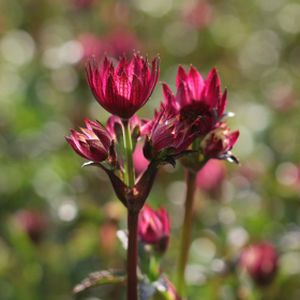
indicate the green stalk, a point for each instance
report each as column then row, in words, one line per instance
column 132, row 218
column 129, row 168
column 186, row 232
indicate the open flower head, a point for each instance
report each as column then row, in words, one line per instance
column 199, row 101
column 124, row 89
column 93, row 142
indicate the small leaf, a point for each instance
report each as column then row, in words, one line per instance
column 100, row 278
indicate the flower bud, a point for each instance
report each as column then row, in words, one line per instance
column 260, row 261
column 93, row 142
column 32, row 222
column 219, row 142
column 154, row 228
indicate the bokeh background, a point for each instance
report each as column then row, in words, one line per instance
column 58, row 220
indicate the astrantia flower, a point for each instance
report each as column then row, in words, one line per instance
column 93, row 142
column 169, row 136
column 199, row 101
column 154, row 227
column 219, row 142
column 260, row 261
column 123, row 89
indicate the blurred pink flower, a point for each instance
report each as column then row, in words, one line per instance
column 117, row 43
column 122, row 42
column 139, row 160
column 94, row 143
column 260, row 261
column 91, row 46
column 211, row 176
column 82, row 4
column 154, row 227
column 124, row 89
column 199, row 14
column 32, row 222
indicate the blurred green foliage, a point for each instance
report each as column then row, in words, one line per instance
column 43, row 93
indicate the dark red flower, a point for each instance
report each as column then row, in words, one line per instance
column 123, row 89
column 168, row 135
column 260, row 261
column 93, row 142
column 219, row 142
column 199, row 101
column 154, row 227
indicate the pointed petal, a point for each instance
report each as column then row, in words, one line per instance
column 223, row 103
column 195, row 82
column 182, row 96
column 181, row 76
column 213, row 89
column 168, row 95
column 136, row 92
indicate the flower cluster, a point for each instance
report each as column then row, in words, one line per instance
column 189, row 125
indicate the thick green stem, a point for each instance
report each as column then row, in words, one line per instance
column 186, row 232
column 132, row 218
column 129, row 168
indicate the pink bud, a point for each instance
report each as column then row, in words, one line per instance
column 32, row 222
column 154, row 227
column 93, row 142
column 260, row 261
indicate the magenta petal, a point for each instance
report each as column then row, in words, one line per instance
column 182, row 96
column 181, row 76
column 213, row 89
column 136, row 91
column 233, row 138
column 168, row 95
column 195, row 82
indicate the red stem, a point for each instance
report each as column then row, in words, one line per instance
column 132, row 256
